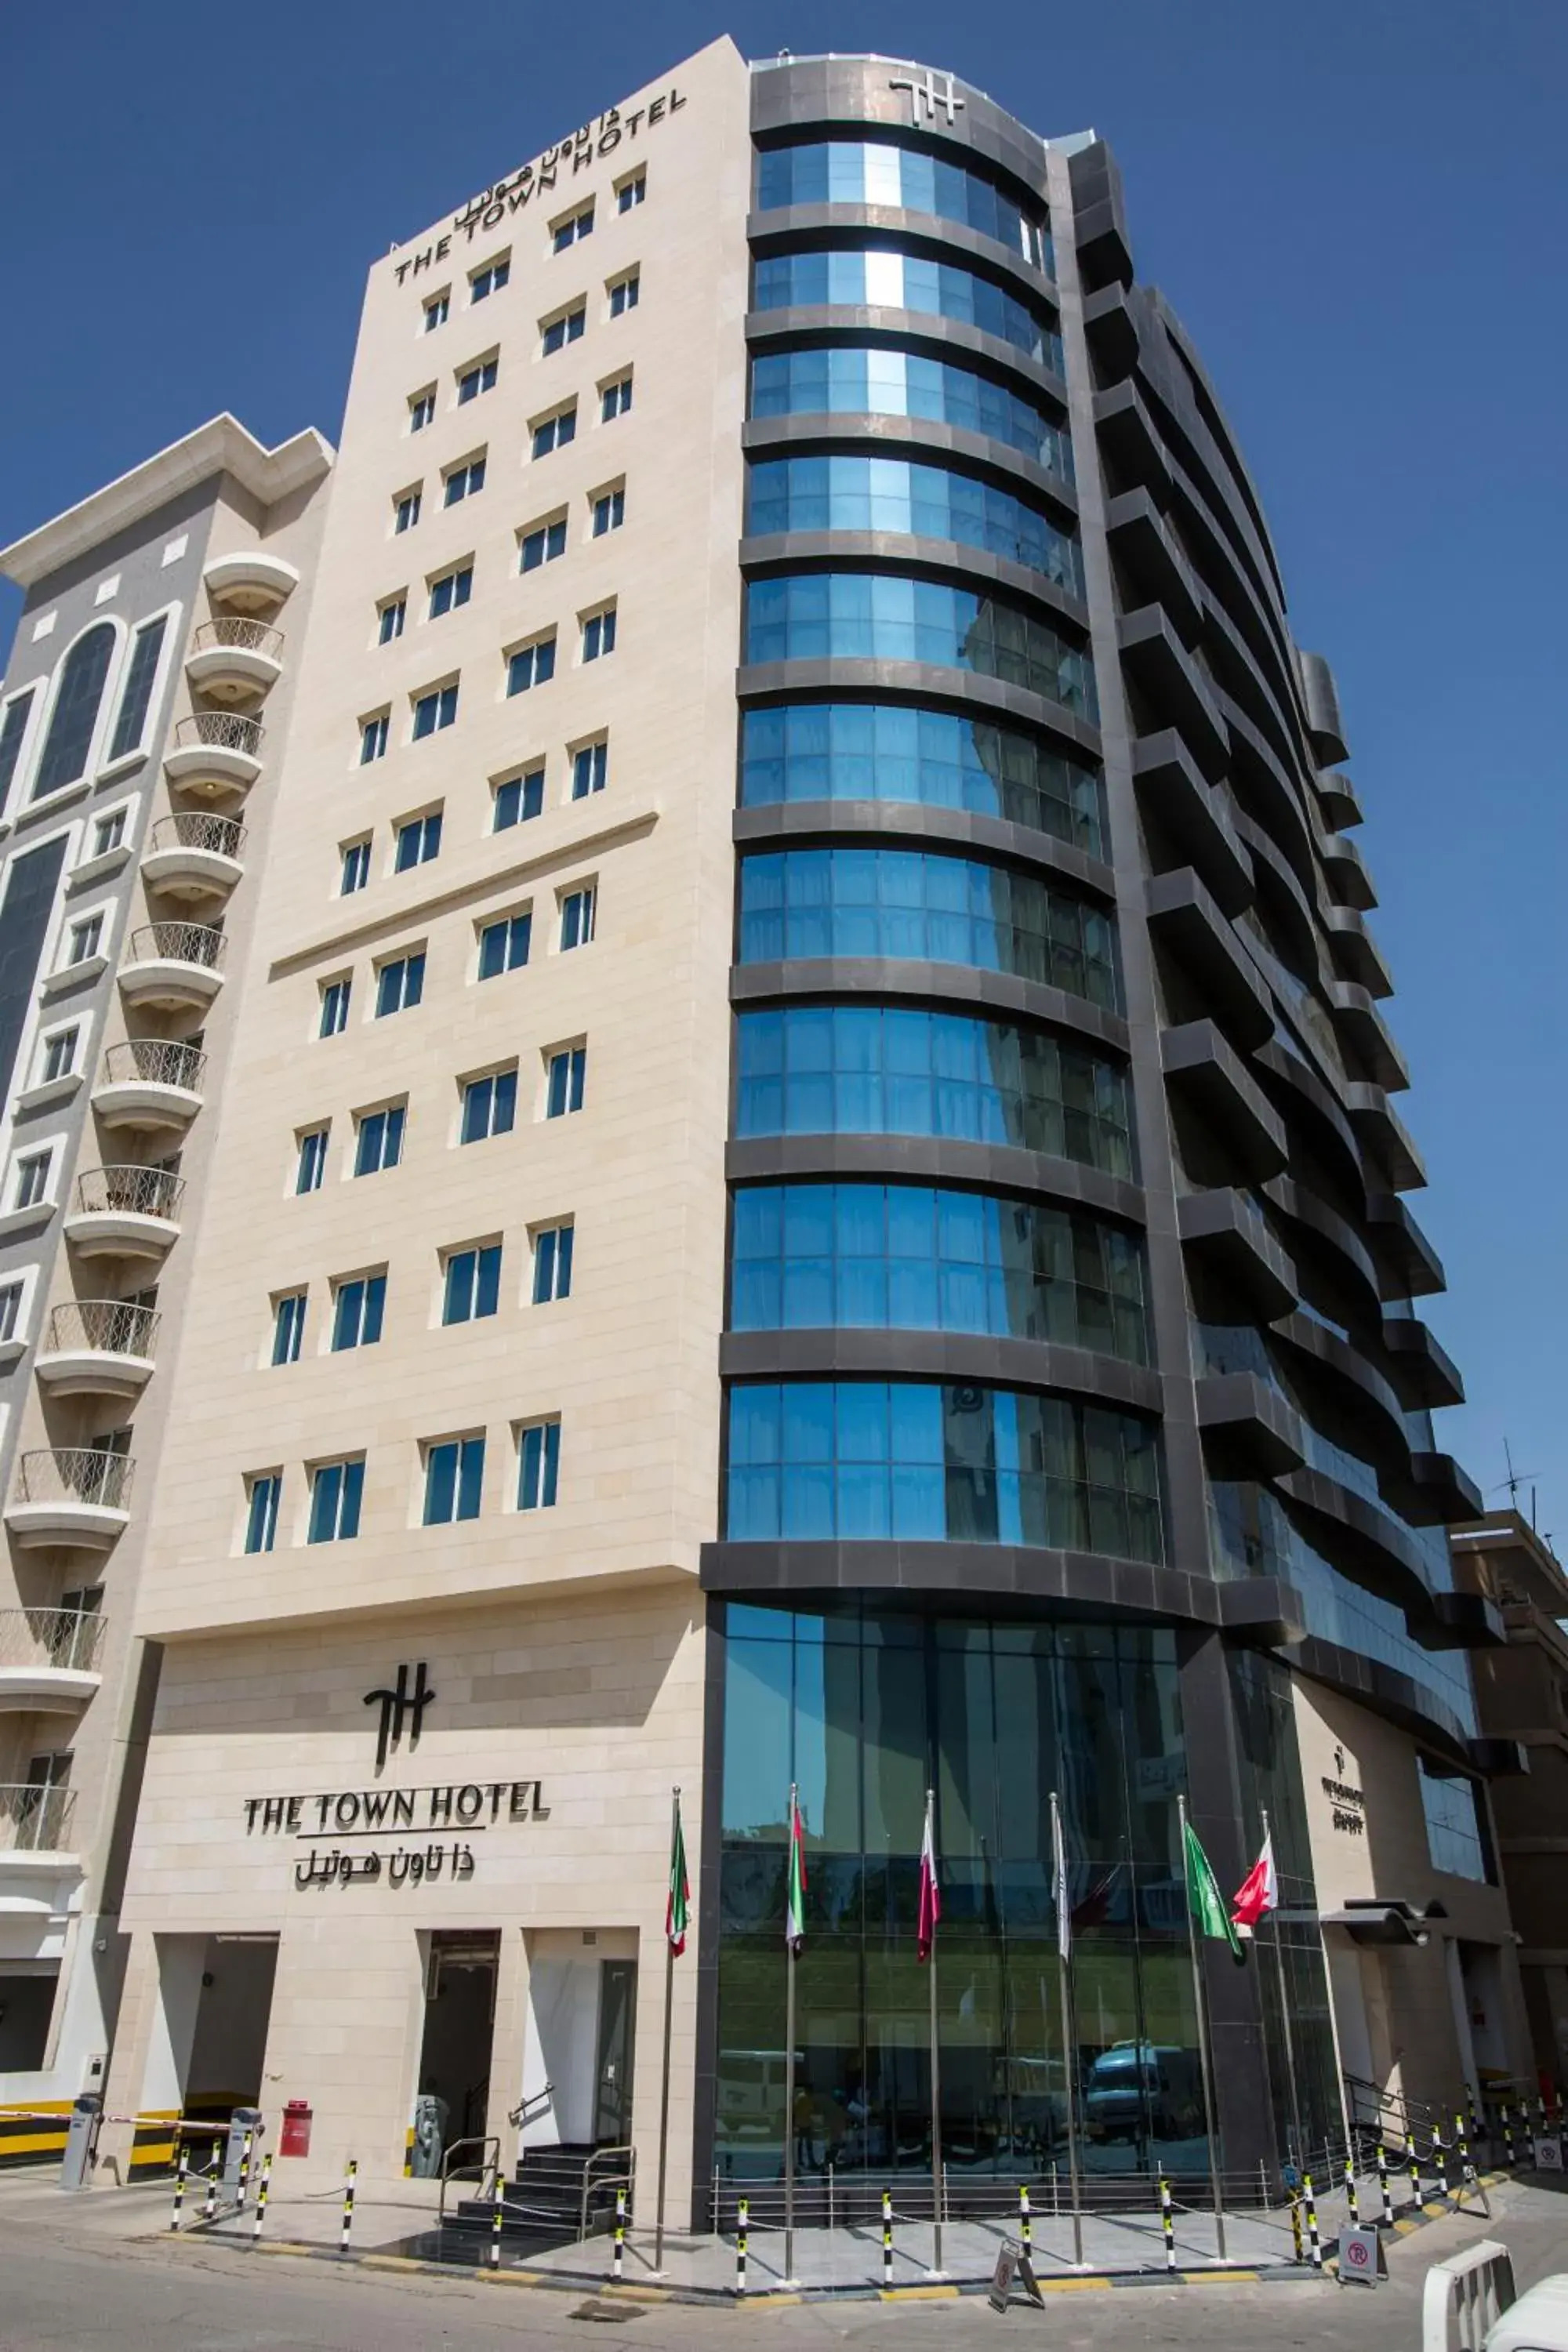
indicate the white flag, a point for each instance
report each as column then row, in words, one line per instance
column 1060, row 1889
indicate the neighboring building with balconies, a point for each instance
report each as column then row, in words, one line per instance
column 147, row 688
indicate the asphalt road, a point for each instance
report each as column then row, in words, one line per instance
column 66, row 2287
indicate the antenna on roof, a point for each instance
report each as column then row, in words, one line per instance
column 1514, row 1481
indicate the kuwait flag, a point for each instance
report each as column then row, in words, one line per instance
column 1203, row 1896
column 1258, row 1891
column 794, row 1910
column 931, row 1893
column 677, row 1901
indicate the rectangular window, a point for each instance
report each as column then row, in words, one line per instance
column 334, row 1008
column 84, row 939
column 542, row 545
column 480, row 378
column 452, row 589
column 12, row 727
column 504, row 945
column 109, row 833
column 422, row 409
column 32, row 1179
column 289, row 1326
column 555, row 432
column 266, row 1491
column 136, row 699
column 379, row 1139
column 491, row 279
column 356, row 1322
column 435, row 710
column 567, row 1071
column 373, row 738
column 518, row 799
column 490, row 1106
column 577, row 918
column 418, row 842
column 624, row 294
column 609, row 511
column 336, row 1491
column 10, row 1310
column 464, row 481
column 531, row 665
column 590, row 764
column 453, row 1475
column 406, row 511
column 615, row 399
column 631, row 192
column 573, row 231
column 390, row 618
column 400, row 984
column 537, row 1464
column 552, row 1262
column 312, row 1162
column 558, row 332
column 356, row 866
column 599, row 635
column 59, row 1055
column 437, row 311
column 473, row 1284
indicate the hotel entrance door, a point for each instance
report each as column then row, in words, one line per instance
column 452, row 2093
column 613, row 2071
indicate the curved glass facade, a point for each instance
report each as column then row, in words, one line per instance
column 910, row 1257
column 894, row 751
column 881, row 278
column 856, row 380
column 907, row 1461
column 880, row 616
column 856, row 492
column 875, row 171
column 866, row 901
column 884, row 1069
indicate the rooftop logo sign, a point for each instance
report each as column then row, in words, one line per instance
column 595, row 140
column 926, row 96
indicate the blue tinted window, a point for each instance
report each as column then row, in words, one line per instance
column 552, row 1264
column 261, row 1515
column 362, row 1303
column 137, row 693
column 883, row 617
column 870, row 1069
column 882, row 752
column 454, row 1479
column 537, row 1465
column 503, row 946
column 12, row 727
column 876, row 171
column 289, row 1328
column 891, row 493
column 336, row 1491
column 473, row 1284
column 490, row 1106
column 74, row 718
column 816, row 1460
column 519, row 797
column 880, row 277
column 846, row 379
column 1457, row 1838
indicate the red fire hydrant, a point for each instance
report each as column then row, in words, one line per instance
column 296, row 2138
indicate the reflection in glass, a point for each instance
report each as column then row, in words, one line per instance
column 862, row 380
column 876, row 171
column 881, row 278
column 852, row 491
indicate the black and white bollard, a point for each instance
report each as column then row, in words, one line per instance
column 209, row 2204
column 1383, row 2185
column 1025, row 2224
column 244, row 2182
column 1466, row 2170
column 1440, row 2158
column 262, row 2186
column 1414, row 2162
column 1314, row 2242
column 349, row 2179
column 1350, row 2191
column 1508, row 2154
column 617, row 2260
column 1167, row 2223
column 498, row 2216
column 886, row 2237
column 179, row 2187
column 743, row 2219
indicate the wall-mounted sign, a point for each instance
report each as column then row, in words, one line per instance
column 345, row 1814
column 926, row 96
column 401, row 1704
column 1347, row 1803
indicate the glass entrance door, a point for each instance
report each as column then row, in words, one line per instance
column 617, row 2018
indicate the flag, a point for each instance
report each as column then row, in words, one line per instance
column 1061, row 1893
column 1203, row 1900
column 677, row 1901
column 931, row 1893
column 794, row 1910
column 1258, row 1891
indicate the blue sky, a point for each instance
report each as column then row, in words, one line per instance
column 1361, row 211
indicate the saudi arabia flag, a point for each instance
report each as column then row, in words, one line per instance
column 1204, row 1898
column 794, row 1912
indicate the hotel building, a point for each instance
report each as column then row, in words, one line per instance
column 804, row 1191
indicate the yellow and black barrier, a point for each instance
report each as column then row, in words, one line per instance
column 31, row 2135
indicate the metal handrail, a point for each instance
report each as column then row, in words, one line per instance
column 33, row 1820
column 624, row 2178
column 131, row 1192
column 248, row 637
column 193, row 829
column 70, row 1638
column 76, row 1474
column 105, row 1326
column 221, row 730
column 160, row 1061
column 196, row 944
column 519, row 2114
column 485, row 2171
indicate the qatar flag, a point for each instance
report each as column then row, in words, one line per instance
column 930, row 1894
column 1259, row 1892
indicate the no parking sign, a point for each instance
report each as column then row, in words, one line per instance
column 1361, row 2258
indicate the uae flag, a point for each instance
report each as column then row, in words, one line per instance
column 1204, row 1898
column 1259, row 1892
column 677, row 1901
column 794, row 1912
column 931, row 1893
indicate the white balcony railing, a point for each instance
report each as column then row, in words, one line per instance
column 76, row 1474
column 220, row 730
column 156, row 1062
column 129, row 1193
column 70, row 1638
column 239, row 635
column 192, row 944
column 218, row 837
column 33, row 1820
column 105, row 1326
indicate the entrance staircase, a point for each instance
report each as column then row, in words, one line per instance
column 556, row 2196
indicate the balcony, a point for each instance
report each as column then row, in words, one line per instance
column 125, row 1212
column 1348, row 878
column 35, row 1821
column 98, row 1347
column 149, row 1082
column 79, row 1497
column 235, row 661
column 194, row 855
column 217, row 754
column 49, row 1660
column 174, row 965
column 248, row 581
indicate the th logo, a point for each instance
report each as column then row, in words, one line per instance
column 400, row 1706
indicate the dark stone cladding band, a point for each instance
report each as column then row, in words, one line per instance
column 912, row 824
column 1384, row 1690
column 1380, row 1416
column 1396, row 1561
column 969, row 693
column 790, row 226
column 945, row 987
column 1001, row 1168
column 921, row 330
column 858, row 93
column 902, row 553
column 924, row 440
column 957, row 1359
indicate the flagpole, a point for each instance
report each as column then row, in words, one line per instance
column 668, row 2020
column 789, row 2278
column 1069, row 2036
column 936, row 2268
column 1205, row 2058
column 1299, row 2150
